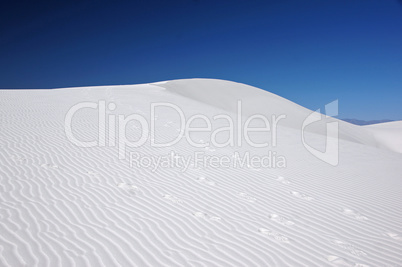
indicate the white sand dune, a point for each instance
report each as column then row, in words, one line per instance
column 65, row 205
column 387, row 135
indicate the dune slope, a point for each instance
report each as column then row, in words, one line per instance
column 387, row 135
column 66, row 205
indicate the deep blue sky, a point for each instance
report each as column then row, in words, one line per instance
column 311, row 52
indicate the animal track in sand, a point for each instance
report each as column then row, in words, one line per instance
column 48, row 166
column 172, row 198
column 205, row 216
column 301, row 195
column 279, row 219
column 246, row 197
column 202, row 179
column 394, row 235
column 274, row 235
column 353, row 214
column 282, row 180
column 349, row 247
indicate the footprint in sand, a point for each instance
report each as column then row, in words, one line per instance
column 48, row 166
column 205, row 216
column 353, row 214
column 338, row 261
column 215, row 218
column 140, row 112
column 301, row 195
column 274, row 235
column 128, row 187
column 246, row 197
column 94, row 176
column 282, row 180
column 172, row 198
column 394, row 236
column 202, row 141
column 168, row 124
column 348, row 247
column 252, row 168
column 18, row 159
column 92, row 173
column 281, row 220
column 210, row 149
column 203, row 180
column 200, row 214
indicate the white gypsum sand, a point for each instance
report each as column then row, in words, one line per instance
column 65, row 205
column 388, row 135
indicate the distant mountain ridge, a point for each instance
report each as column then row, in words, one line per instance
column 363, row 122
